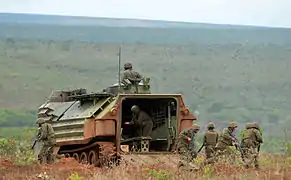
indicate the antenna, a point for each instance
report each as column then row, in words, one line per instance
column 119, row 59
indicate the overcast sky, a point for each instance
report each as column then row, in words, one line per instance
column 247, row 12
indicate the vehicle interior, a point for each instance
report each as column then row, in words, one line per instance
column 163, row 112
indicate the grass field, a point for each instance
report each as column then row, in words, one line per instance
column 273, row 168
column 18, row 162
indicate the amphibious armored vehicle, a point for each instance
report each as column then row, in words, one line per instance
column 93, row 128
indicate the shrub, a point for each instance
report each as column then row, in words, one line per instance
column 75, row 176
column 8, row 147
column 20, row 151
column 160, row 174
column 288, row 149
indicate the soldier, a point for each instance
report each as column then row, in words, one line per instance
column 247, row 126
column 210, row 140
column 130, row 74
column 184, row 143
column 47, row 136
column 142, row 121
column 252, row 139
column 226, row 140
column 256, row 126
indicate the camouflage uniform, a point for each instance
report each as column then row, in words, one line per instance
column 252, row 139
column 47, row 136
column 226, row 140
column 210, row 141
column 183, row 145
column 247, row 126
column 129, row 74
column 142, row 122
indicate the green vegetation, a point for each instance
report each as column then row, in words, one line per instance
column 17, row 132
column 160, row 174
column 240, row 74
column 12, row 118
column 75, row 176
column 19, row 149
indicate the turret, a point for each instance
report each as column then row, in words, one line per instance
column 64, row 96
column 131, row 87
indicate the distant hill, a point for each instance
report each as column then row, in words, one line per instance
column 15, row 18
column 124, row 31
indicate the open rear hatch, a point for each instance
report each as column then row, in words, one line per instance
column 163, row 111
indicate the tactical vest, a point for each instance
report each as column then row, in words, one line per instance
column 50, row 131
column 249, row 134
column 211, row 137
column 225, row 132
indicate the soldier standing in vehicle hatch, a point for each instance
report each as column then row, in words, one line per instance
column 47, row 136
column 225, row 141
column 252, row 139
column 130, row 74
column 210, row 140
column 142, row 122
column 183, row 146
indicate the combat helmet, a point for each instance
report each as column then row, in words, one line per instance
column 255, row 125
column 211, row 125
column 196, row 127
column 134, row 108
column 232, row 124
column 127, row 65
column 248, row 125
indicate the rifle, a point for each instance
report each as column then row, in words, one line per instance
column 200, row 148
column 239, row 148
column 261, row 132
column 259, row 147
column 36, row 138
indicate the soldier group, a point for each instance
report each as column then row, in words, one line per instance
column 218, row 146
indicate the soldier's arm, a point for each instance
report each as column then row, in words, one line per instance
column 138, row 75
column 217, row 136
column 184, row 134
column 226, row 135
column 258, row 136
column 123, row 77
column 204, row 139
column 134, row 118
column 43, row 133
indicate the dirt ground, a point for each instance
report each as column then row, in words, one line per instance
column 66, row 167
column 60, row 170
